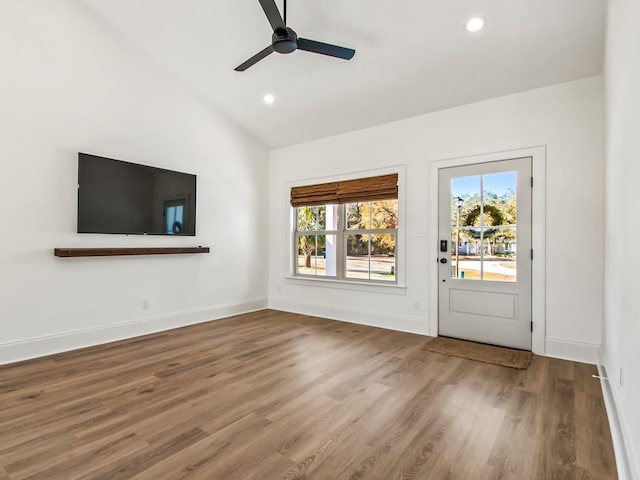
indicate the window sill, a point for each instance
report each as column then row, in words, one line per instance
column 392, row 289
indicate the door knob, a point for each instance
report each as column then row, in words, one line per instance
column 443, row 260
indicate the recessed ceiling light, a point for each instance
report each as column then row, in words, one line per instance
column 269, row 99
column 475, row 24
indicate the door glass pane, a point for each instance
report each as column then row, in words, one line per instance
column 466, row 263
column 383, row 247
column 466, row 194
column 500, row 257
column 465, row 200
column 357, row 256
column 483, row 233
column 499, row 194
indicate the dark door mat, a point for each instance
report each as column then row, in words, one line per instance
column 480, row 352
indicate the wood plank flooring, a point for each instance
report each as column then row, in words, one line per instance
column 273, row 395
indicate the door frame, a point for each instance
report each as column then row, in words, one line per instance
column 538, row 235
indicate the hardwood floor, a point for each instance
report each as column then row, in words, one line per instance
column 273, row 395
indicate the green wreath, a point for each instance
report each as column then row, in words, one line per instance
column 470, row 218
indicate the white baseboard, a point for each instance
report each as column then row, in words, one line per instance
column 557, row 348
column 625, row 461
column 575, row 351
column 63, row 342
column 402, row 323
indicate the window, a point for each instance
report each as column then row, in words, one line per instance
column 370, row 239
column 316, row 235
column 347, row 230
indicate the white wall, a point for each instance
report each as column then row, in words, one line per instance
column 70, row 83
column 621, row 342
column 567, row 118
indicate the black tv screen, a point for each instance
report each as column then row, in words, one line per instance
column 122, row 197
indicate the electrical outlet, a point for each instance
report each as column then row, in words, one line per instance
column 621, row 378
column 145, row 304
column 416, row 304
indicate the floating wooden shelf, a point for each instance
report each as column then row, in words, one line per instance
column 112, row 252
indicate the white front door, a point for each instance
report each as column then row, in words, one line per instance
column 485, row 253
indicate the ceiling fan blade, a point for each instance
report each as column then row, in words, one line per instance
column 273, row 14
column 325, row 49
column 255, row 59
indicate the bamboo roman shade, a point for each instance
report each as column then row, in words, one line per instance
column 320, row 194
column 348, row 191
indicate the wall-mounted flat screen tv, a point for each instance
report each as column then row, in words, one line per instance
column 122, row 197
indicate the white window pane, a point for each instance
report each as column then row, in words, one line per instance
column 306, row 254
column 353, row 214
column 358, row 256
column 384, row 214
column 331, row 217
column 329, row 254
column 308, row 219
column 383, row 261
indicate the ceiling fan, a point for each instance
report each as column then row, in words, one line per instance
column 285, row 40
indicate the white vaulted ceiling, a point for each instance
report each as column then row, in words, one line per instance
column 412, row 56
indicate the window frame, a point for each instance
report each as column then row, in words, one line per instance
column 386, row 288
column 341, row 232
column 298, row 233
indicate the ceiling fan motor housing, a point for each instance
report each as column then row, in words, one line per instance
column 284, row 41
